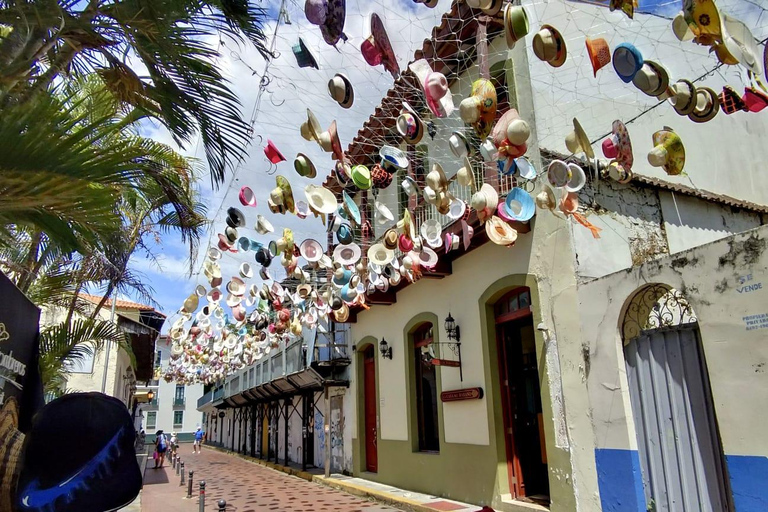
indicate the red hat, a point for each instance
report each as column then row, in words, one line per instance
column 273, row 154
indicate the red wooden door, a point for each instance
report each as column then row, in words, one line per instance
column 369, row 382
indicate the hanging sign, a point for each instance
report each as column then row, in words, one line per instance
column 445, row 362
column 461, row 394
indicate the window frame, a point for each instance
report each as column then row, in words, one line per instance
column 180, row 414
column 153, row 415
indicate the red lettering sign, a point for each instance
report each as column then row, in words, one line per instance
column 446, row 362
column 462, row 394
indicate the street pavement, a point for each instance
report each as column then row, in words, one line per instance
column 247, row 487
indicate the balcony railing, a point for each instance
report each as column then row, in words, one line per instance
column 152, row 404
column 208, row 397
column 179, row 402
column 218, row 393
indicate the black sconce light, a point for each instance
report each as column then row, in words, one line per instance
column 453, row 330
column 385, row 349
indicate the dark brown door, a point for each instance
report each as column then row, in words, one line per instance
column 521, row 398
column 369, row 383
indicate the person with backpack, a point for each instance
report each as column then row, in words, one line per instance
column 161, row 446
column 199, row 436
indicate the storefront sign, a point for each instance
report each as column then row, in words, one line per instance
column 462, row 394
column 446, row 362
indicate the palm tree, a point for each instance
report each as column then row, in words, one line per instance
column 155, row 56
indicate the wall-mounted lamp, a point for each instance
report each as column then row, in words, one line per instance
column 453, row 330
column 150, row 395
column 385, row 349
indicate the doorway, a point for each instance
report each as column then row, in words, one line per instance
column 521, row 398
column 369, row 384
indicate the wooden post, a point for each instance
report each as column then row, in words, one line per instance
column 285, row 444
column 327, row 431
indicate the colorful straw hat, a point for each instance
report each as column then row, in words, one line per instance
column 287, row 193
column 479, row 109
column 410, row 126
column 377, row 49
column 341, row 90
column 625, row 6
column 549, row 46
column 619, row 146
column 516, row 24
column 344, row 234
column 703, row 18
column 247, row 197
column 599, row 53
column 273, row 154
column 393, row 159
column 499, row 232
column 304, row 166
column 351, row 208
column 730, row 101
column 668, row 152
column 519, row 205
column 577, row 141
column 627, row 61
column 332, row 27
column 435, row 88
column 361, row 177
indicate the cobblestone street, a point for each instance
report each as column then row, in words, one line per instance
column 246, row 486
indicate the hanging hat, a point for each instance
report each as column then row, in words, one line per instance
column 431, row 231
column 549, row 46
column 465, row 177
column 436, row 178
column 304, row 56
column 264, row 257
column 626, row 6
column 451, row 242
column 263, row 226
column 519, row 205
column 739, row 46
column 380, row 179
column 730, row 101
column 273, row 154
column 344, row 234
column 499, row 232
column 236, row 286
column 525, row 168
column 341, row 315
column 577, row 141
column 707, row 105
column 231, row 234
column 546, row 199
column 361, row 177
column 235, row 218
column 703, row 18
column 341, row 172
column 467, row 232
column 490, row 7
column 435, row 88
column 618, row 171
column 427, row 258
column 382, row 213
column 304, row 166
column 330, row 15
column 578, row 178
column 569, row 202
column 652, row 79
column 499, row 131
column 405, row 243
column 247, row 197
column 377, row 49
column 244, row 244
column 627, row 61
column 393, row 159
column 409, row 186
column 341, row 90
column 619, row 145
column 287, row 193
column 351, row 208
column 459, row 145
column 233, row 300
column 668, row 152
column 479, row 109
column 410, row 128
column 680, row 27
column 456, row 209
column 488, row 150
column 754, row 100
column 429, row 3
column 390, row 239
column 683, row 97
column 330, row 142
column 310, row 129
column 558, row 173
column 599, row 53
column 515, row 24
column 213, row 254
column 320, row 199
column 311, row 250
column 380, row 255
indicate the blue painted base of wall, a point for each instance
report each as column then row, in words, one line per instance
column 620, row 480
column 749, row 482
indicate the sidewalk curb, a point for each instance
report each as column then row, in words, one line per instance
column 356, row 490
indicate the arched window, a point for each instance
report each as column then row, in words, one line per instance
column 426, row 389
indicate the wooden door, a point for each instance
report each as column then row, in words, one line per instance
column 369, row 383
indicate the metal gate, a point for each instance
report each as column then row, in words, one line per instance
column 679, row 446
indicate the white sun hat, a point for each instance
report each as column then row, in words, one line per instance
column 380, row 255
column 347, row 254
column 246, row 272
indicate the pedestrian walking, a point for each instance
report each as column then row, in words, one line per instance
column 161, row 446
column 174, row 443
column 199, row 435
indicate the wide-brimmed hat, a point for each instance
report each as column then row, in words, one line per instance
column 330, row 142
column 490, row 7
column 739, row 46
column 465, row 176
column 485, row 201
column 310, row 129
column 304, row 166
column 390, row 239
column 459, row 144
column 213, row 254
column 682, row 96
column 546, row 199
column 488, row 150
column 435, row 88
column 231, row 234
column 549, row 46
column 361, row 177
column 578, row 178
column 236, row 286
column 263, row 226
column 247, row 197
column 652, row 79
column 577, row 141
column 235, row 218
column 341, row 90
column 515, row 24
column 304, row 57
column 703, row 18
column 558, row 173
column 350, row 207
column 479, row 109
column 320, row 199
column 393, row 159
column 311, row 250
column 377, row 49
column 627, row 61
column 525, row 169
column 233, row 300
column 619, row 146
column 707, row 105
column 409, row 186
column 519, row 205
column 456, row 209
column 379, row 254
column 344, row 234
column 382, row 213
column 431, row 232
column 246, row 272
column 499, row 232
column 668, row 152
column 273, row 154
column 625, row 6
column 427, row 258
column 329, row 15
column 599, row 53
column 410, row 127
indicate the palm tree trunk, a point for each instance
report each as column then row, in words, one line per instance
column 30, row 263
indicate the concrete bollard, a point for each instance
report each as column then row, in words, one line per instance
column 222, row 505
column 189, row 484
column 178, row 466
column 202, row 495
column 173, row 461
column 181, row 483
